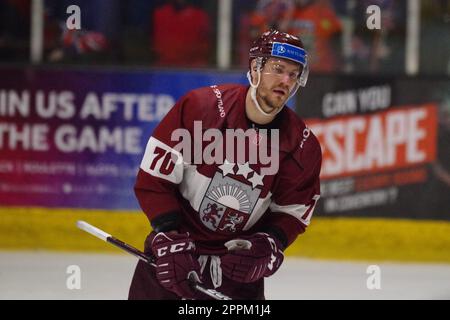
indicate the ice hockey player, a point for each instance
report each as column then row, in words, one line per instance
column 227, row 222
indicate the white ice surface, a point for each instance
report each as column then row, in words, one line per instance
column 43, row 275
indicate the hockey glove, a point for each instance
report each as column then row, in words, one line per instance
column 252, row 257
column 175, row 262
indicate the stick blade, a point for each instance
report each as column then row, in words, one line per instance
column 83, row 225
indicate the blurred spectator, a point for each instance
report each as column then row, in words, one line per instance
column 383, row 49
column 316, row 23
column 100, row 25
column 181, row 35
column 253, row 21
column 14, row 30
column 269, row 14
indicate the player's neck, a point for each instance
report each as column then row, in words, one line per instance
column 253, row 113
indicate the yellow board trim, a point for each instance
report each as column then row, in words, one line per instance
column 327, row 238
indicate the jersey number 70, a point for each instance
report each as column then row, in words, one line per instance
column 167, row 165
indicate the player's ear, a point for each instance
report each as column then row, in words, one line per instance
column 253, row 68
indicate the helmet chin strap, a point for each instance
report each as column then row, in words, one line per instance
column 253, row 94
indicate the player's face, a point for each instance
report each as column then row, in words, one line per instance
column 278, row 78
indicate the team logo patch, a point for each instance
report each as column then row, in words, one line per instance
column 228, row 202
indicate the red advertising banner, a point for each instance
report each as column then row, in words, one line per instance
column 393, row 139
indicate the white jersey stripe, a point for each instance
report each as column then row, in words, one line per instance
column 297, row 210
column 260, row 207
column 194, row 186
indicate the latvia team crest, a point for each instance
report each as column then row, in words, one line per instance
column 227, row 204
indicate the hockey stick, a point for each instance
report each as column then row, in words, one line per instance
column 83, row 225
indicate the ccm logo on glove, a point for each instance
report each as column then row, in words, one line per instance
column 174, row 248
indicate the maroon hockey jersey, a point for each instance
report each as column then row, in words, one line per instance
column 220, row 201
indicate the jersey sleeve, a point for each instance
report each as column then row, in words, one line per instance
column 296, row 193
column 161, row 169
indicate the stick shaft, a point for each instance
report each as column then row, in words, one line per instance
column 128, row 248
column 140, row 255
